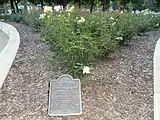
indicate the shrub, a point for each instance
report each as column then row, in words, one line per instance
column 79, row 41
column 126, row 26
column 71, row 41
column 32, row 19
column 13, row 17
column 17, row 17
column 5, row 17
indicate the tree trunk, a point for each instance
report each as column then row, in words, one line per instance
column 64, row 4
column 125, row 2
column 51, row 4
column 83, row 4
column 150, row 3
column 41, row 1
column 79, row 3
column 92, row 4
column 115, row 5
column 158, row 3
column 16, row 6
column 12, row 6
column 25, row 6
column 106, row 5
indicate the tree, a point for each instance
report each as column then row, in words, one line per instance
column 16, row 4
column 106, row 4
column 92, row 4
column 25, row 5
column 63, row 3
column 12, row 6
column 158, row 3
column 3, row 1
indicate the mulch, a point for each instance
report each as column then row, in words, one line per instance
column 119, row 88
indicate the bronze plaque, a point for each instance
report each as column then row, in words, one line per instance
column 65, row 97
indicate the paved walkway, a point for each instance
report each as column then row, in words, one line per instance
column 3, row 40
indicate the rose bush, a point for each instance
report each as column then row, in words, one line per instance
column 79, row 41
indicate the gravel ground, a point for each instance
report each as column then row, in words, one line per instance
column 121, row 86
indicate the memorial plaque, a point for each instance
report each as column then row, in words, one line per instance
column 65, row 97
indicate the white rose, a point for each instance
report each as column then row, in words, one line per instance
column 113, row 23
column 48, row 9
column 86, row 70
column 111, row 18
column 71, row 9
column 42, row 16
column 81, row 20
column 119, row 38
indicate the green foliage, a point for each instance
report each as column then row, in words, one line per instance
column 130, row 24
column 13, row 17
column 126, row 25
column 5, row 17
column 79, row 42
column 32, row 19
column 17, row 17
column 72, row 42
column 3, row 1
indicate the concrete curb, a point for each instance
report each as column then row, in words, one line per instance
column 7, row 55
column 157, row 81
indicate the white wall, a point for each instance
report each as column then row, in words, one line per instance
column 157, row 81
column 7, row 55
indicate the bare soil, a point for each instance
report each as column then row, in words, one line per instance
column 119, row 88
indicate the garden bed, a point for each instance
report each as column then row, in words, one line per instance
column 120, row 87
